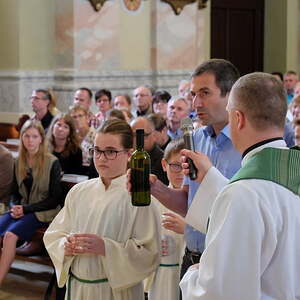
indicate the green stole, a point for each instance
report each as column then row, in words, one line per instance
column 281, row 166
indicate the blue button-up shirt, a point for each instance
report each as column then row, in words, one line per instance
column 224, row 157
column 174, row 135
column 289, row 98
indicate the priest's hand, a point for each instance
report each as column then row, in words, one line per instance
column 201, row 162
column 88, row 243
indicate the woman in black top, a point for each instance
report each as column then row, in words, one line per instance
column 65, row 146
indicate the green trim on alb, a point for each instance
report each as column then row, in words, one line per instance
column 83, row 281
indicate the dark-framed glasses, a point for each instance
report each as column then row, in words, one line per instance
column 109, row 154
column 176, row 168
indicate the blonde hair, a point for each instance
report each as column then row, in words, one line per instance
column 76, row 108
column 39, row 156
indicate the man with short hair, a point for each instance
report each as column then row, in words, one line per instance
column 178, row 108
column 210, row 86
column 40, row 101
column 142, row 97
column 156, row 154
column 252, row 246
column 83, row 97
column 290, row 80
column 161, row 130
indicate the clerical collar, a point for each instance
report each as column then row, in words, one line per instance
column 260, row 144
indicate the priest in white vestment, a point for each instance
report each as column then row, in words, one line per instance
column 101, row 245
column 252, row 248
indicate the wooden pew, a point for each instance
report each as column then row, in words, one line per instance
column 41, row 259
column 8, row 131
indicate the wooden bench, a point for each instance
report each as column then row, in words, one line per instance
column 41, row 259
column 8, row 131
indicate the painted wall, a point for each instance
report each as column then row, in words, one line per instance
column 282, row 35
column 9, row 34
column 153, row 37
column 36, row 34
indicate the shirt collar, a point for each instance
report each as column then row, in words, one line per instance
column 209, row 131
column 119, row 181
column 273, row 144
column 260, row 144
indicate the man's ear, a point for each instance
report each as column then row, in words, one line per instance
column 240, row 117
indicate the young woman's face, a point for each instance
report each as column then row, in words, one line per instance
column 103, row 104
column 31, row 140
column 61, row 130
column 113, row 162
column 174, row 170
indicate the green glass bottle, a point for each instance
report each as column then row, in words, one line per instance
column 140, row 171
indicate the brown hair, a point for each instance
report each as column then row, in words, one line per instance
column 121, row 128
column 291, row 72
column 158, row 120
column 174, row 147
column 39, row 156
column 226, row 74
column 115, row 113
column 296, row 122
column 127, row 112
column 126, row 96
column 72, row 143
column 262, row 99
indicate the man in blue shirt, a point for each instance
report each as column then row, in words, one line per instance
column 210, row 86
column 290, row 80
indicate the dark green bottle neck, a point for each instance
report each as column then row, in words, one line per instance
column 139, row 140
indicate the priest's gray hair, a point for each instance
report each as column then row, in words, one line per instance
column 262, row 98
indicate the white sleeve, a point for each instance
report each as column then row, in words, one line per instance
column 129, row 263
column 230, row 266
column 199, row 211
column 55, row 238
